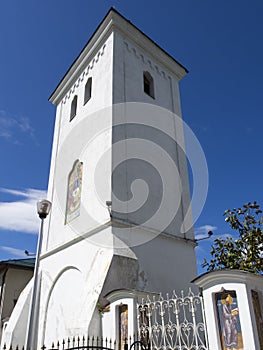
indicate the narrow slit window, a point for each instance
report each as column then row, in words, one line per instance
column 87, row 94
column 148, row 85
column 73, row 110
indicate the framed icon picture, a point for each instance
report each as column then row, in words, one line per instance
column 74, row 192
column 228, row 320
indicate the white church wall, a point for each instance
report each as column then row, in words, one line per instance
column 75, row 140
column 129, row 64
column 137, row 62
column 72, row 279
column 77, row 254
column 164, row 262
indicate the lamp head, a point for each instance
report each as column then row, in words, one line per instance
column 43, row 208
column 108, row 203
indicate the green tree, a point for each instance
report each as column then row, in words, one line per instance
column 246, row 251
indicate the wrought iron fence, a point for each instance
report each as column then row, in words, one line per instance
column 176, row 323
column 89, row 343
column 84, row 343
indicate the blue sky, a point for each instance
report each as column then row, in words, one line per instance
column 219, row 42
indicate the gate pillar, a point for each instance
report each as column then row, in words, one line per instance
column 233, row 302
column 119, row 317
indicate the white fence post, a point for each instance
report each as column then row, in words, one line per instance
column 233, row 303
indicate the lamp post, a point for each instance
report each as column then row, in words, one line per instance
column 43, row 209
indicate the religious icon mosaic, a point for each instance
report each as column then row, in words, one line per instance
column 74, row 192
column 228, row 320
column 123, row 326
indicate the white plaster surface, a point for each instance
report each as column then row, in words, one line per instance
column 109, row 322
column 76, row 257
column 71, row 285
column 242, row 282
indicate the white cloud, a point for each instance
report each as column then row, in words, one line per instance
column 202, row 231
column 19, row 253
column 20, row 215
column 11, row 127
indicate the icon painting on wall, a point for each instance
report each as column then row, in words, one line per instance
column 228, row 320
column 74, row 192
column 123, row 326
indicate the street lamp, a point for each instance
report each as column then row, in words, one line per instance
column 43, row 209
column 209, row 234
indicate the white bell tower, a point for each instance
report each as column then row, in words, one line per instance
column 121, row 216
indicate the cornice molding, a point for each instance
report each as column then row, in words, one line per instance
column 84, row 73
column 87, row 55
column 115, row 22
column 146, row 60
column 219, row 277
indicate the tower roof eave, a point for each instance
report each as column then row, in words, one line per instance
column 114, row 21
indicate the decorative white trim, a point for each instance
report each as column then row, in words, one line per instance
column 212, row 278
column 146, row 60
column 84, row 73
column 115, row 22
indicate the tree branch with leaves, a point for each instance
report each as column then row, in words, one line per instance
column 246, row 251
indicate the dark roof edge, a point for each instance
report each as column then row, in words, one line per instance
column 90, row 39
column 159, row 47
column 19, row 263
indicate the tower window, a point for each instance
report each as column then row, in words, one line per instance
column 73, row 109
column 87, row 94
column 148, row 85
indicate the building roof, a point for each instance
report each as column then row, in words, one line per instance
column 19, row 263
column 112, row 18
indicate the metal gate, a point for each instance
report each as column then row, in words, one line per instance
column 176, row 323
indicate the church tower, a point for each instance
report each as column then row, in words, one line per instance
column 121, row 216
